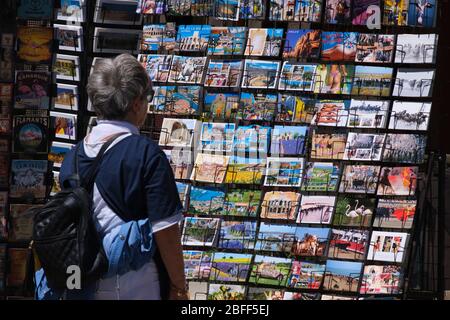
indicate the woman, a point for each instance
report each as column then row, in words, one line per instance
column 135, row 182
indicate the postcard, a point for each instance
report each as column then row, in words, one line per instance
column 374, row 81
column 257, row 293
column 159, row 36
column 321, row 176
column 34, row 45
column 187, row 69
column 17, row 267
column 32, row 90
column 197, row 264
column 198, row 290
column 210, row 168
column 200, row 231
column 284, row 172
column 206, row 201
column 339, row 46
column 280, row 205
column 221, row 105
column 308, row 10
column 181, row 162
column 179, row 100
column 381, row 279
column 281, row 10
column 176, row 8
column 364, row 146
column 237, row 235
column 316, row 209
column 257, row 106
column 66, row 97
column 227, row 9
column 242, row 202
column 275, row 237
column 58, row 151
column 302, row 44
column 223, row 73
column 306, row 275
column 178, row 132
column 398, row 181
column 252, row 9
column 109, row 40
column 288, row 140
column 342, row 276
column 4, row 170
column 69, row 38
column 405, row 148
column 334, row 78
column 410, row 115
column 267, row 270
column 301, row 295
column 71, row 10
column 183, row 192
column 416, row 48
column 413, row 82
column 21, row 222
column 361, row 11
column 157, row 66
column 216, row 136
column 332, row 113
column 328, row 146
column 230, row 266
column 394, row 213
column 368, row 113
column 30, row 134
column 67, row 67
column 359, row 179
column 310, row 241
column 64, row 125
column 375, row 48
column 422, row 13
column 348, row 244
column 353, row 212
column 296, row 76
column 252, row 141
column 264, row 42
column 338, row 11
column 29, row 9
column 227, row 40
column 395, row 12
column 387, row 246
column 245, row 170
column 226, row 292
column 28, row 178
column 293, row 108
column 7, row 57
column 3, row 223
column 259, row 74
column 193, row 37
column 117, row 12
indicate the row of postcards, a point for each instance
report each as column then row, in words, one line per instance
column 416, row 13
column 264, row 270
column 289, row 108
column 290, row 44
column 294, row 76
column 290, row 206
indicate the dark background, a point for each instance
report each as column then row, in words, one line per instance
column 439, row 121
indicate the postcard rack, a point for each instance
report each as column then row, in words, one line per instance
column 249, row 242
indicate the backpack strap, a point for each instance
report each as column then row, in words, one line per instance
column 88, row 181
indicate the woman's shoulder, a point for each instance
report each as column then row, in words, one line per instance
column 140, row 145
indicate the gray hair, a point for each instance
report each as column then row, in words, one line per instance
column 115, row 84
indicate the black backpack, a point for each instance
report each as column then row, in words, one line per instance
column 64, row 233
